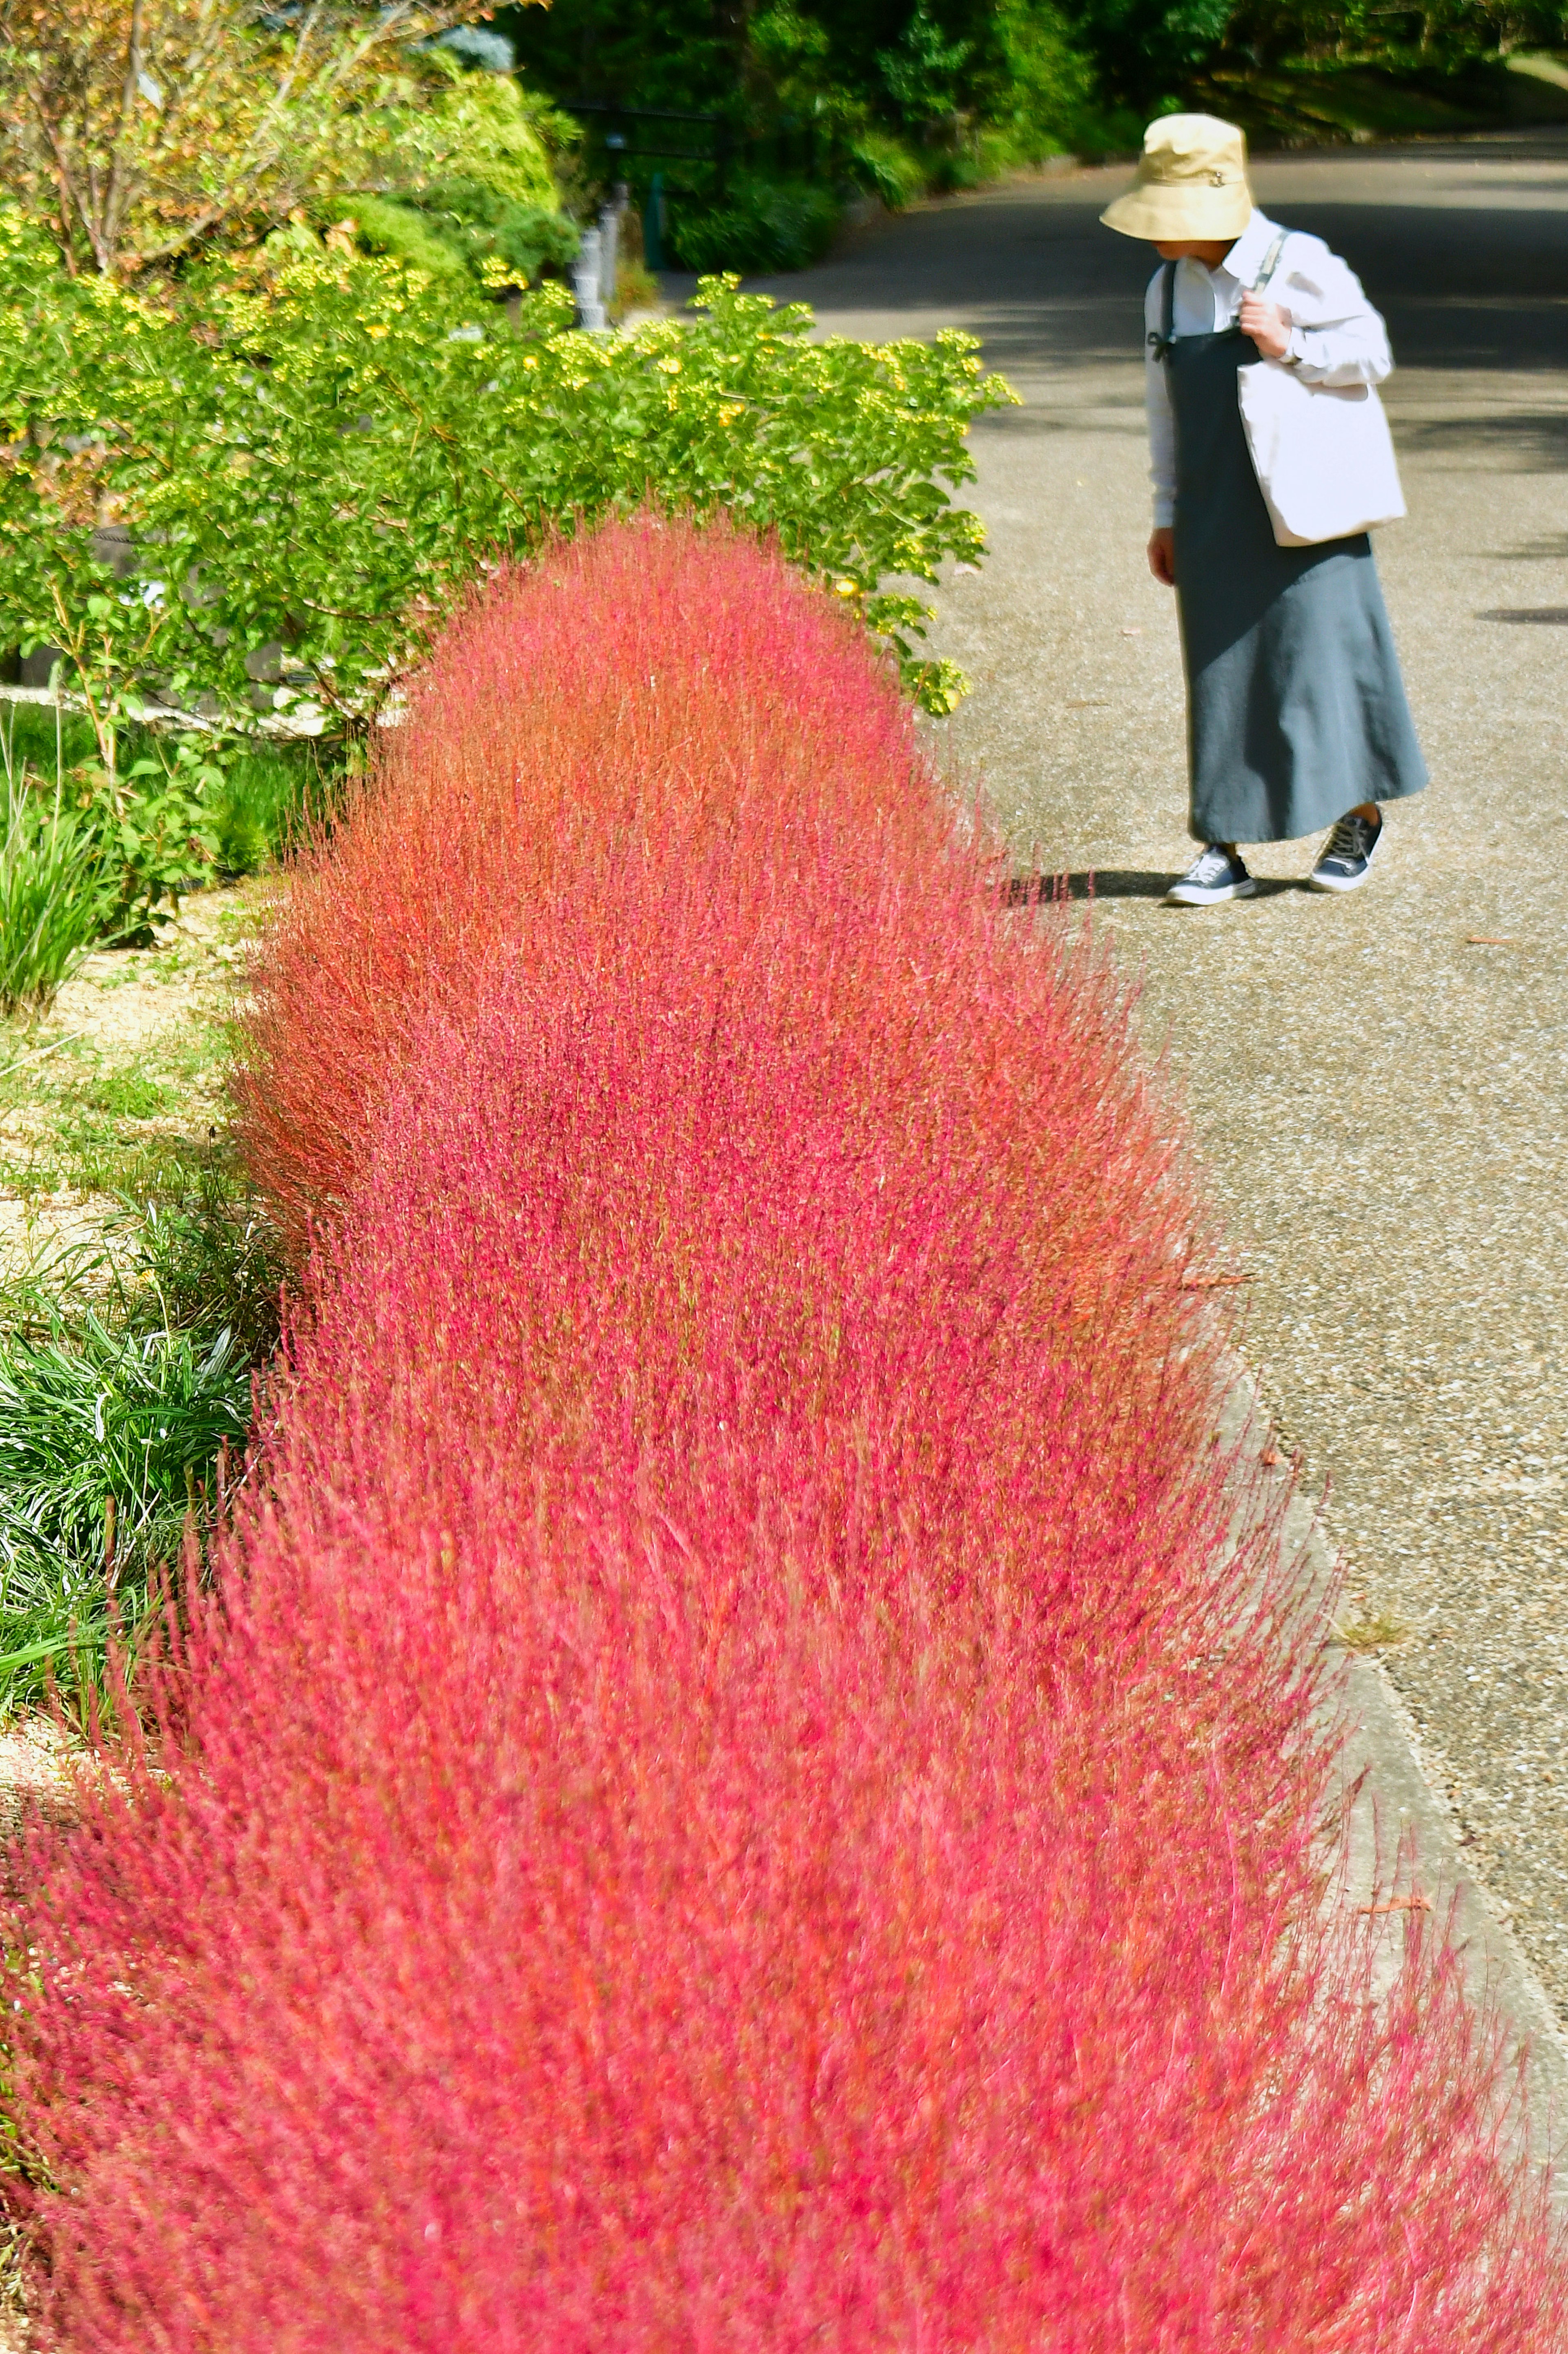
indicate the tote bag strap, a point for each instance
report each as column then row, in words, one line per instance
column 1270, row 263
column 1161, row 341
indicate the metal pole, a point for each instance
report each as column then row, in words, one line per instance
column 586, row 283
column 654, row 224
column 609, row 245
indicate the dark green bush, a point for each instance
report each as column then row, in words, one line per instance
column 480, row 225
column 759, row 224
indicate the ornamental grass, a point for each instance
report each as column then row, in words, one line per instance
column 741, row 1782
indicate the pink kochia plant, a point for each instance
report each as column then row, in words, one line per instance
column 733, row 1788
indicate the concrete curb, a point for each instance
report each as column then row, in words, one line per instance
column 1397, row 1799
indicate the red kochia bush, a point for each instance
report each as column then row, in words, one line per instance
column 731, row 1792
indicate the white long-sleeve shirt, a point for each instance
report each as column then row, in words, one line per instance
column 1335, row 336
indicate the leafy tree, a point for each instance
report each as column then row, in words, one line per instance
column 921, row 74
column 135, row 129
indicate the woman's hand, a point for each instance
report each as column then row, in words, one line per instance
column 1162, row 555
column 1267, row 325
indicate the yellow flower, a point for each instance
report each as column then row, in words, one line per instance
column 377, row 333
column 668, row 368
column 847, row 587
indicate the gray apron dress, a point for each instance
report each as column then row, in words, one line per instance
column 1296, row 709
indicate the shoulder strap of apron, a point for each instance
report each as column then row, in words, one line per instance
column 1159, row 340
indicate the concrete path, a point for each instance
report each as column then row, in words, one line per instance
column 1380, row 1083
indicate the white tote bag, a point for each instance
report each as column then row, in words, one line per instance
column 1322, row 453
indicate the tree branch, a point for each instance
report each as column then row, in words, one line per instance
column 119, row 175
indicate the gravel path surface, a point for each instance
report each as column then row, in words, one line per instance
column 1380, row 1083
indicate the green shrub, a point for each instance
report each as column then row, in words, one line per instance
column 488, row 129
column 154, row 832
column 479, row 225
column 325, row 450
column 400, row 230
column 762, row 225
column 113, row 862
column 456, row 227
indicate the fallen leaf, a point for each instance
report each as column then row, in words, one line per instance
column 1132, row 633
column 1489, row 940
column 1414, row 1904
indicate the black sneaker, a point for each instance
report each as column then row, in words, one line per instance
column 1345, row 857
column 1214, row 875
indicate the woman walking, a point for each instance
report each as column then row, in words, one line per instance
column 1270, row 457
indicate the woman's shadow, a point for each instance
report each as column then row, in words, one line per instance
column 1118, row 882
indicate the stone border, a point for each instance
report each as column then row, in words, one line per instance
column 1397, row 1800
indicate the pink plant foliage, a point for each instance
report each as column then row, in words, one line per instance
column 733, row 1788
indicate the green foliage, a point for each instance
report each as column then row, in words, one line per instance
column 762, row 225
column 203, row 1264
column 892, row 97
column 269, row 796
column 1034, row 85
column 88, row 855
column 485, row 127
column 970, row 85
column 1144, row 50
column 323, row 452
column 96, row 856
column 135, row 134
column 54, row 897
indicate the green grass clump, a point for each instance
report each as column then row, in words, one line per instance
column 55, row 900
column 121, row 1389
column 128, row 1093
column 107, row 1444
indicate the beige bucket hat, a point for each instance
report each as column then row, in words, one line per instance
column 1192, row 183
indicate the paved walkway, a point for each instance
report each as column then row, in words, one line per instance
column 1380, row 1085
